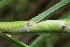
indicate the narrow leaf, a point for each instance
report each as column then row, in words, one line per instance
column 56, row 7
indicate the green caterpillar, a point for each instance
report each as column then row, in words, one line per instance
column 26, row 26
column 62, row 25
column 13, row 26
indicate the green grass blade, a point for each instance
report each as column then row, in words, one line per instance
column 56, row 7
column 14, row 41
column 4, row 2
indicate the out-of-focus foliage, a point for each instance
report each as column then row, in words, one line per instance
column 66, row 15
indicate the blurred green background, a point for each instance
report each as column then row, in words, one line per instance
column 24, row 10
